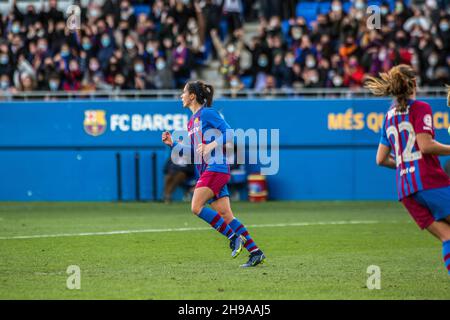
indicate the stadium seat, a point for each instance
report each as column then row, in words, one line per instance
column 141, row 8
column 346, row 6
column 285, row 28
column 324, row 7
column 374, row 3
column 247, row 81
column 307, row 10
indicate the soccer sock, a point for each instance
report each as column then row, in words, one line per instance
column 239, row 230
column 216, row 221
column 446, row 254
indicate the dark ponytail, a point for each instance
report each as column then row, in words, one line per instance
column 204, row 92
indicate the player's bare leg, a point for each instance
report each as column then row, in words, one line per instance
column 441, row 230
column 223, row 207
column 199, row 199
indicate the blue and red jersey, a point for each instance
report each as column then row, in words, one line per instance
column 200, row 123
column 415, row 171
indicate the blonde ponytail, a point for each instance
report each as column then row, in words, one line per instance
column 399, row 82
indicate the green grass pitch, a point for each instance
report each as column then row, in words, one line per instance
column 315, row 250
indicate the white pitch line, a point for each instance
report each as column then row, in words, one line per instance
column 278, row 225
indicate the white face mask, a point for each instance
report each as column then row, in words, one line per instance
column 336, row 8
column 382, row 55
column 443, row 26
column 129, row 44
column 230, row 48
column 4, row 85
column 290, row 62
column 433, row 60
column 310, row 63
column 359, row 5
column 297, row 33
column 337, row 81
column 314, row 79
column 160, row 65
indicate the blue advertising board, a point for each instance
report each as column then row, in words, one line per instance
column 68, row 150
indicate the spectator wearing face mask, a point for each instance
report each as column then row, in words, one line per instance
column 93, row 77
column 182, row 62
column 72, row 77
column 353, row 73
column 5, row 85
column 348, row 48
column 141, row 80
column 311, row 78
column 280, row 71
column 162, row 77
column 106, row 49
column 130, row 50
column 26, row 82
column 6, row 65
column 419, row 20
column 229, row 55
column 54, row 83
column 444, row 32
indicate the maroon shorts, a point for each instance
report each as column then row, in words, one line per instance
column 421, row 215
column 216, row 181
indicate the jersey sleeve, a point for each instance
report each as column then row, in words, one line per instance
column 422, row 119
column 384, row 138
column 213, row 118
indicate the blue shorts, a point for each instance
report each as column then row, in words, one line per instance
column 222, row 193
column 436, row 200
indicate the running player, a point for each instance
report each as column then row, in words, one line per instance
column 423, row 186
column 214, row 174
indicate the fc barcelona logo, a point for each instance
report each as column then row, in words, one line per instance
column 94, row 122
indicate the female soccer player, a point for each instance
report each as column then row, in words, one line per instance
column 214, row 174
column 423, row 186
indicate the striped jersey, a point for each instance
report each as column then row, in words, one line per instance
column 415, row 171
column 205, row 126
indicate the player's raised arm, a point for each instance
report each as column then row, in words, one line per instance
column 167, row 139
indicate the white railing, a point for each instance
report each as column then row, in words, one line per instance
column 344, row 93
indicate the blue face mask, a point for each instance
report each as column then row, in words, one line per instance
column 53, row 85
column 4, row 59
column 15, row 28
column 129, row 45
column 139, row 68
column 160, row 65
column 263, row 62
column 4, row 85
column 106, row 42
column 87, row 46
column 65, row 54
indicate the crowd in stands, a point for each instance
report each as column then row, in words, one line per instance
column 158, row 44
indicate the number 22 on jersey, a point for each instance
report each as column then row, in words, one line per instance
column 408, row 155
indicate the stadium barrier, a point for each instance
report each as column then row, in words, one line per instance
column 112, row 150
column 117, row 94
